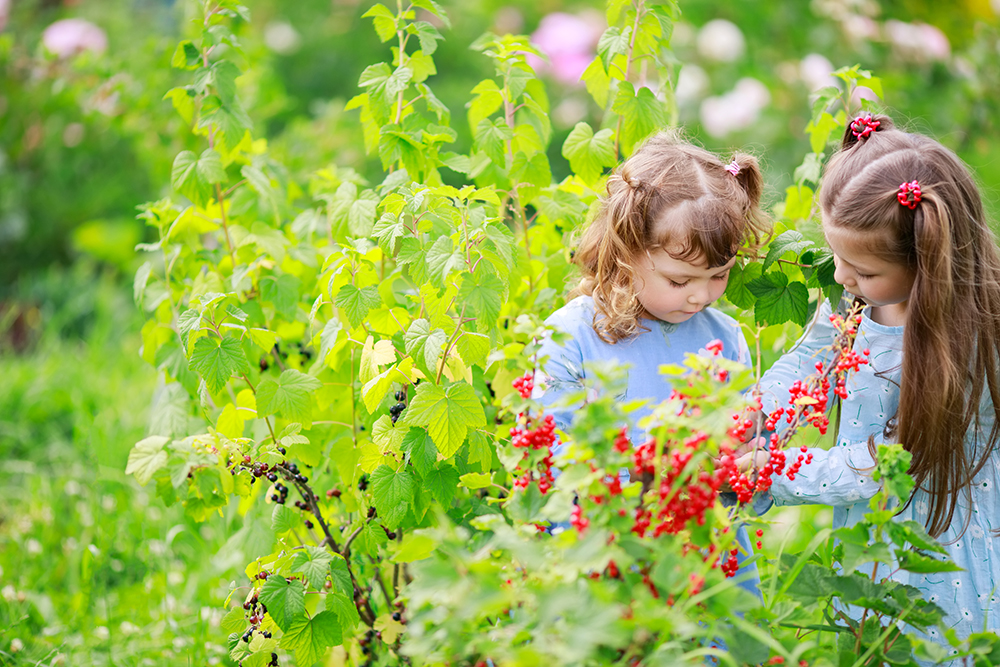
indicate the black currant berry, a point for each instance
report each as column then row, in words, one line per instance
column 309, row 524
column 401, row 395
column 272, row 477
column 396, row 616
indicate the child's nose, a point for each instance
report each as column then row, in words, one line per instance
column 841, row 275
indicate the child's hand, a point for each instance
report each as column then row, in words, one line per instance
column 752, row 455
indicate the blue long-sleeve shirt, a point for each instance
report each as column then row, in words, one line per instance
column 841, row 476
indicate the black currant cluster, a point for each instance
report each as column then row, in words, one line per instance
column 388, row 533
column 365, row 641
column 281, row 495
column 256, row 468
column 333, row 493
column 397, row 409
column 294, row 470
column 363, row 483
column 257, row 612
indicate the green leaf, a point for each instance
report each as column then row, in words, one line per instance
column 492, row 138
column 912, row 561
column 786, row 242
column 194, row 176
column 810, row 169
column 442, row 482
column 477, row 480
column 392, row 494
column 423, row 453
column 357, row 302
column 589, row 153
column 597, row 80
column 414, row 547
column 186, row 56
column 424, row 345
column 224, row 73
column 146, row 458
column 778, row 300
column 314, row 563
column 310, row 637
column 435, row 9
column 482, row 292
column 480, row 451
column 473, row 348
column 385, row 21
column 798, row 202
column 389, row 228
column 217, row 359
column 443, row 258
column 284, row 519
column 736, row 288
column 344, row 608
column 289, row 395
column 285, row 600
column 427, row 34
column 283, row 292
column 230, row 120
column 613, row 42
column 642, row 114
column 448, row 413
column 904, row 533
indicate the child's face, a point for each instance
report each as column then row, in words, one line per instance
column 673, row 290
column 880, row 282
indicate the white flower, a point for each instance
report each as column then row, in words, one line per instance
column 33, row 547
column 921, row 506
column 69, row 37
column 933, row 598
column 16, row 645
column 721, row 40
column 102, row 633
column 281, row 37
column 966, row 614
column 852, row 495
column 932, row 632
column 957, row 583
column 985, row 485
column 976, row 531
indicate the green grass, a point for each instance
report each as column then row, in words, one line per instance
column 94, row 570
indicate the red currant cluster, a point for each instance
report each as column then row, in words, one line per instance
column 685, row 495
column 533, row 434
column 577, row 519
column 525, row 384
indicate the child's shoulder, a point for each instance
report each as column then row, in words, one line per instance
column 579, row 311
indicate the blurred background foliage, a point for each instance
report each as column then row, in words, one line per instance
column 94, row 572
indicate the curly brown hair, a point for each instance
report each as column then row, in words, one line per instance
column 671, row 195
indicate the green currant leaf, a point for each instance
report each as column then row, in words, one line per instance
column 597, row 81
column 736, row 288
column 217, row 359
column 384, row 20
column 285, row 600
column 423, row 453
column 186, row 56
column 786, row 242
column 613, row 42
column 146, row 458
column 424, row 345
column 392, row 494
column 778, row 300
column 447, row 412
column 589, row 153
column 284, row 519
column 289, row 395
column 492, row 138
column 230, row 120
column 642, row 114
column 357, row 302
column 194, row 176
column 482, row 292
column 442, row 482
column 310, row 637
column 313, row 563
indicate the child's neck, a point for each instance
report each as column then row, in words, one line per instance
column 893, row 315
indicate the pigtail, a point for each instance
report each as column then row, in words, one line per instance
column 614, row 236
column 751, row 181
column 862, row 127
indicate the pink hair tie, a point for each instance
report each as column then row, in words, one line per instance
column 863, row 126
column 909, row 194
column 732, row 167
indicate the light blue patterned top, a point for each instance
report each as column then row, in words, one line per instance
column 642, row 355
column 837, row 477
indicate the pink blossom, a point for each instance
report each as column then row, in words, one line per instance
column 568, row 41
column 816, row 71
column 918, row 41
column 735, row 110
column 4, row 13
column 71, row 36
column 863, row 93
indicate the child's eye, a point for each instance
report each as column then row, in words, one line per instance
column 724, row 276
column 677, row 284
column 865, row 276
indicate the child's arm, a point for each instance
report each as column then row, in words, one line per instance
column 561, row 373
column 798, row 364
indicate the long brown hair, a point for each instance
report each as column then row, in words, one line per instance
column 951, row 342
column 668, row 194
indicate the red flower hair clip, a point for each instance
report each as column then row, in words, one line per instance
column 863, row 126
column 909, row 194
